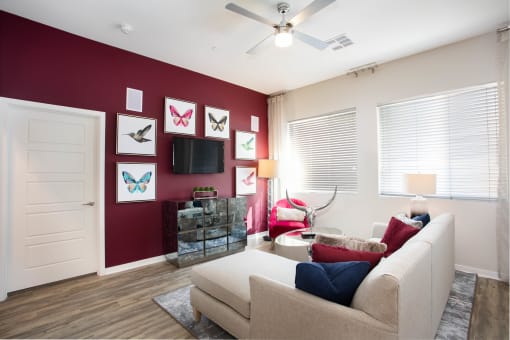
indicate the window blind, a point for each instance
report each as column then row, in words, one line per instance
column 324, row 148
column 453, row 135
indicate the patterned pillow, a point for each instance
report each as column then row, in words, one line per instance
column 409, row 221
column 350, row 242
column 289, row 214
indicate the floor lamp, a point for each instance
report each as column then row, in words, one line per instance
column 420, row 184
column 268, row 168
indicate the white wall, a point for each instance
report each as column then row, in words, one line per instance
column 467, row 63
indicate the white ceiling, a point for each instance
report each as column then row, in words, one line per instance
column 201, row 35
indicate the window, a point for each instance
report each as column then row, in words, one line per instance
column 453, row 135
column 324, row 153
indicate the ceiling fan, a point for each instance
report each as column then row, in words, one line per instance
column 285, row 30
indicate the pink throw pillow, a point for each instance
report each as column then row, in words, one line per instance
column 396, row 235
column 326, row 253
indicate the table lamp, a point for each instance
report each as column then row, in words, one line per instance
column 268, row 168
column 420, row 184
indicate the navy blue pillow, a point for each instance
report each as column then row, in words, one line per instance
column 335, row 282
column 425, row 219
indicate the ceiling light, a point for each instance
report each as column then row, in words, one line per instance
column 283, row 37
column 126, row 28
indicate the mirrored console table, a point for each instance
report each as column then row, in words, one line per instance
column 200, row 230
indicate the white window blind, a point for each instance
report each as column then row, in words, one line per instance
column 324, row 152
column 453, row 135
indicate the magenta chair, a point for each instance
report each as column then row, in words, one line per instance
column 279, row 227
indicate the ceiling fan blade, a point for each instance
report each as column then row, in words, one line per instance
column 318, row 44
column 309, row 10
column 239, row 10
column 254, row 49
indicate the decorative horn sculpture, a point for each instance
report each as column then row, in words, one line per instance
column 309, row 211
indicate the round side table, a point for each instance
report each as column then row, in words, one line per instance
column 292, row 246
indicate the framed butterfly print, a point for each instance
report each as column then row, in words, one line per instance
column 136, row 182
column 217, row 122
column 136, row 135
column 180, row 116
column 246, row 180
column 246, row 145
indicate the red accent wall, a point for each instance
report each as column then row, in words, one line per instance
column 43, row 64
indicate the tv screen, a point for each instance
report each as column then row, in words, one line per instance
column 197, row 156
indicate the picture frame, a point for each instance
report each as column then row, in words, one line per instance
column 217, row 122
column 180, row 116
column 136, row 182
column 245, row 145
column 246, row 180
column 136, row 135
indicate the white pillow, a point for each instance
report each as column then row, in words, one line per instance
column 409, row 221
column 289, row 214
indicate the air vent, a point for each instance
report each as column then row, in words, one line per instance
column 340, row 41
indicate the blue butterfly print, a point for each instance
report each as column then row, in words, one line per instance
column 133, row 185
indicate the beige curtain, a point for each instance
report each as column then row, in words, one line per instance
column 277, row 126
column 502, row 220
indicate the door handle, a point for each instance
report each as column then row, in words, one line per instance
column 90, row 204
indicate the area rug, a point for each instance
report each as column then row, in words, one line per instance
column 454, row 322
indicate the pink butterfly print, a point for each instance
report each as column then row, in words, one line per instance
column 249, row 179
column 181, row 119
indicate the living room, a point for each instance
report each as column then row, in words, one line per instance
column 40, row 63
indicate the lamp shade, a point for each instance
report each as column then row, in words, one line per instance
column 268, row 168
column 420, row 184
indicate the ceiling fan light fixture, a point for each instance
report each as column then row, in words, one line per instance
column 283, row 37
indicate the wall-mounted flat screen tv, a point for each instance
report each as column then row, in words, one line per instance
column 197, row 156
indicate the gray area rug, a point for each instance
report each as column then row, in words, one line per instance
column 454, row 322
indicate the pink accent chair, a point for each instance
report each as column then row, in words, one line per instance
column 279, row 227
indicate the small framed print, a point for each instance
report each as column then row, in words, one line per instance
column 180, row 116
column 136, row 135
column 217, row 123
column 246, row 144
column 246, row 180
column 136, row 182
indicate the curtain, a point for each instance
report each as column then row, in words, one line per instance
column 277, row 126
column 502, row 220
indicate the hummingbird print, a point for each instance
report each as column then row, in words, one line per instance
column 139, row 135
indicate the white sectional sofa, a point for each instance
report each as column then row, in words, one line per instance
column 252, row 294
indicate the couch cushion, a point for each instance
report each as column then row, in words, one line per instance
column 396, row 235
column 336, row 282
column 327, row 254
column 227, row 278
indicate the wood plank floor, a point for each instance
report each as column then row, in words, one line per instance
column 489, row 319
column 121, row 306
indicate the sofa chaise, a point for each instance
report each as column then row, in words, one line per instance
column 252, row 294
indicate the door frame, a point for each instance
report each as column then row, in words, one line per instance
column 5, row 187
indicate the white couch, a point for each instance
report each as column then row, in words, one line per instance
column 252, row 294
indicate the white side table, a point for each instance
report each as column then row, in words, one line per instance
column 292, row 246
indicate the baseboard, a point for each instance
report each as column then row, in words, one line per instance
column 257, row 235
column 158, row 259
column 133, row 265
column 481, row 272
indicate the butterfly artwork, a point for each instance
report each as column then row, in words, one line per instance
column 133, row 185
column 246, row 180
column 136, row 182
column 245, row 147
column 136, row 135
column 179, row 119
column 180, row 116
column 217, row 123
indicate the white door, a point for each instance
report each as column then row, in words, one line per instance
column 51, row 195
